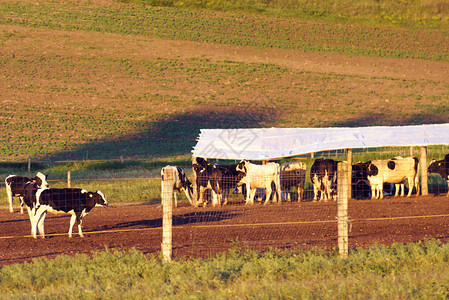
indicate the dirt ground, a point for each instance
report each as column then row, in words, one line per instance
column 203, row 232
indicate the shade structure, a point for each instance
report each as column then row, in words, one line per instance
column 276, row 143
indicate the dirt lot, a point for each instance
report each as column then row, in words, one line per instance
column 202, row 232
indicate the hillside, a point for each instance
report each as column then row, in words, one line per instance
column 72, row 89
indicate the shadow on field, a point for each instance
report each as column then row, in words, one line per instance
column 174, row 135
column 178, row 220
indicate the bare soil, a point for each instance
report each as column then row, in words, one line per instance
column 204, row 232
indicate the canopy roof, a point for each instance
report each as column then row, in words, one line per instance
column 276, row 143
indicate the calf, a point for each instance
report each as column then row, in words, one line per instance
column 359, row 180
column 260, row 176
column 323, row 175
column 293, row 174
column 76, row 202
column 208, row 176
column 15, row 187
column 440, row 167
column 180, row 183
column 394, row 170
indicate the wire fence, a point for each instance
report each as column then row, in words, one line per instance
column 301, row 212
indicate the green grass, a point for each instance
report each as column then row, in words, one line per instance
column 241, row 28
column 416, row 13
column 417, row 270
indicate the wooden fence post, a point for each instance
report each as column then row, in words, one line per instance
column 69, row 179
column 195, row 187
column 423, row 163
column 342, row 213
column 167, row 211
column 349, row 188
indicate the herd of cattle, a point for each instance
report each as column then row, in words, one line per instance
column 370, row 179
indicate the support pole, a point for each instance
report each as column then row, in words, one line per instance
column 167, row 182
column 69, row 179
column 423, row 163
column 342, row 213
column 349, row 154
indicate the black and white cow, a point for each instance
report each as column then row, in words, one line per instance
column 323, row 175
column 220, row 179
column 260, row 176
column 440, row 167
column 180, row 183
column 394, row 170
column 15, row 187
column 293, row 174
column 76, row 202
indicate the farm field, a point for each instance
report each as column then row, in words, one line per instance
column 114, row 90
column 206, row 232
column 93, row 88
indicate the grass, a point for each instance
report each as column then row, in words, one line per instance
column 417, row 270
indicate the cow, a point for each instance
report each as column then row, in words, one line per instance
column 218, row 178
column 323, row 175
column 180, row 183
column 260, row 176
column 292, row 174
column 73, row 201
column 440, row 167
column 15, row 186
column 394, row 170
column 208, row 176
column 359, row 180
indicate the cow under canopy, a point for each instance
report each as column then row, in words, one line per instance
column 440, row 167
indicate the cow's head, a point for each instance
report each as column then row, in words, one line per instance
column 360, row 171
column 41, row 180
column 436, row 166
column 99, row 198
column 372, row 170
column 241, row 166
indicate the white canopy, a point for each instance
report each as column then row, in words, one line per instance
column 276, row 143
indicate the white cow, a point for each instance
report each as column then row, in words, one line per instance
column 394, row 170
column 293, row 174
column 260, row 176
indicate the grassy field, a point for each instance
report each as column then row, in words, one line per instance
column 417, row 271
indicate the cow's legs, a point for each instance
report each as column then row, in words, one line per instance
column 10, row 198
column 40, row 224
column 176, row 198
column 268, row 191
column 250, row 194
column 300, row 193
column 22, row 203
column 35, row 218
column 411, row 184
column 374, row 191
column 186, row 191
column 80, row 226
column 316, row 185
column 72, row 222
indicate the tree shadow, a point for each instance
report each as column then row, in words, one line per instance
column 174, row 135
